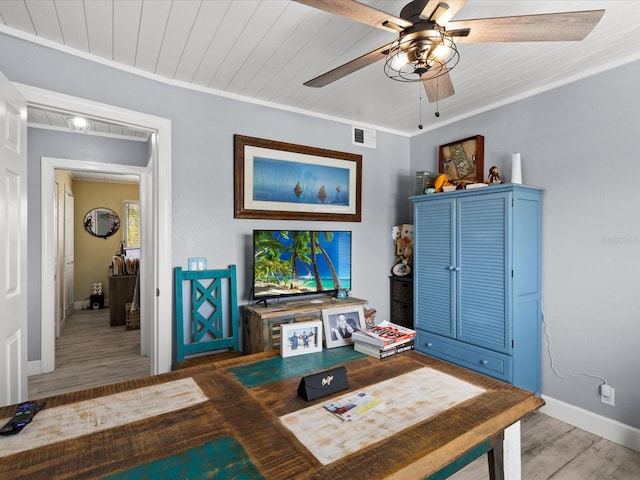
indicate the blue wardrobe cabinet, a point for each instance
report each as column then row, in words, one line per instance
column 477, row 286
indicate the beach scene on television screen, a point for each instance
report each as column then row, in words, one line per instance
column 298, row 262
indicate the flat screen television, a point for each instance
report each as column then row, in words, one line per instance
column 287, row 263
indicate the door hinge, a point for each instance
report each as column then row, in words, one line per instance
column 511, row 273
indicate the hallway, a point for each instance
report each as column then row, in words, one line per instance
column 90, row 353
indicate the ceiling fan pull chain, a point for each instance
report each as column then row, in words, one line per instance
column 437, row 114
column 420, row 103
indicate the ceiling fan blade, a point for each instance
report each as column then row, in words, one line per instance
column 439, row 87
column 441, row 12
column 348, row 68
column 548, row 27
column 360, row 13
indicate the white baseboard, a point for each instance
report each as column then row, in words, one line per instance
column 34, row 367
column 604, row 427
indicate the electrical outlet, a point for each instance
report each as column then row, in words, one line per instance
column 607, row 395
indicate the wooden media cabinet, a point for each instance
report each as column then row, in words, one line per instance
column 262, row 324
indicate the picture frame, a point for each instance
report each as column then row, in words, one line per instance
column 284, row 181
column 334, row 323
column 463, row 160
column 300, row 338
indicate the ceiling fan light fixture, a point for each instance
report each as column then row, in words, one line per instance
column 79, row 124
column 399, row 60
column 421, row 56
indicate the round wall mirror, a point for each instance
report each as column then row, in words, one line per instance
column 101, row 222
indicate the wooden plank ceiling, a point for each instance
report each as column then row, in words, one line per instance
column 265, row 50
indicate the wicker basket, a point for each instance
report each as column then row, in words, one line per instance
column 132, row 317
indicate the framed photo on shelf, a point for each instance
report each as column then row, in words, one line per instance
column 340, row 323
column 463, row 160
column 283, row 181
column 300, row 338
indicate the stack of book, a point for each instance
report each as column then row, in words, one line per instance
column 383, row 340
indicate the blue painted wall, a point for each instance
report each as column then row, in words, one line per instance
column 580, row 143
column 203, row 126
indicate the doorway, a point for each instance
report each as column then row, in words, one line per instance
column 87, row 264
column 155, row 193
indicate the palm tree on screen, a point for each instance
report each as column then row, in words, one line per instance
column 316, row 249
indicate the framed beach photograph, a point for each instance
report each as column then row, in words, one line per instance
column 284, row 181
column 300, row 338
column 463, row 160
column 340, row 323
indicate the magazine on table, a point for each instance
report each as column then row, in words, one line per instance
column 384, row 335
column 377, row 352
column 354, row 406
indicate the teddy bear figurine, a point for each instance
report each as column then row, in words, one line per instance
column 403, row 238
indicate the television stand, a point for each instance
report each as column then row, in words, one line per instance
column 262, row 323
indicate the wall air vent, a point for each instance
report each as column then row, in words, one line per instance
column 364, row 137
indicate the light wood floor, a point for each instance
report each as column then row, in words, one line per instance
column 90, row 353
column 554, row 450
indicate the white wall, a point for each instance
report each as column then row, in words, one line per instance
column 581, row 144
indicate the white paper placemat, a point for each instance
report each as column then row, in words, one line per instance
column 409, row 399
column 52, row 425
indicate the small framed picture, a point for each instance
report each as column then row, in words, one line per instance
column 463, row 160
column 340, row 323
column 300, row 338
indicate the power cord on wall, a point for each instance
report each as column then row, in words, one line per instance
column 553, row 366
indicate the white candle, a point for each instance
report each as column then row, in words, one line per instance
column 516, row 169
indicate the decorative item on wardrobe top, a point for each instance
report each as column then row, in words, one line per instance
column 462, row 161
column 516, row 168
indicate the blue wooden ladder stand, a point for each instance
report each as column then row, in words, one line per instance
column 212, row 309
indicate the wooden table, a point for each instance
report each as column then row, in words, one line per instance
column 237, row 432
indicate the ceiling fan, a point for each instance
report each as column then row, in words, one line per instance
column 425, row 49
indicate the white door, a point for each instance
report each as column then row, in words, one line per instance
column 13, row 241
column 56, row 261
column 68, row 253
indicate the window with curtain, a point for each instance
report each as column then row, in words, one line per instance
column 132, row 224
